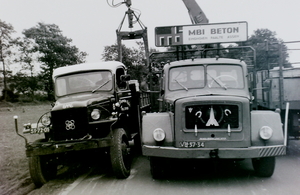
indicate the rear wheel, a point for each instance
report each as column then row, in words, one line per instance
column 264, row 167
column 42, row 169
column 120, row 154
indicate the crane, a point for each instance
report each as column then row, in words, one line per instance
column 196, row 14
column 129, row 35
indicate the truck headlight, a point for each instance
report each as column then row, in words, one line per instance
column 159, row 134
column 265, row 132
column 46, row 120
column 95, row 114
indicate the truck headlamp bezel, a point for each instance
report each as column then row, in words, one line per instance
column 159, row 134
column 265, row 132
column 96, row 114
column 45, row 119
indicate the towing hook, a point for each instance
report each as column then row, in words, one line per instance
column 214, row 153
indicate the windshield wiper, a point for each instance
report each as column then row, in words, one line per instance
column 184, row 87
column 220, row 84
column 100, row 86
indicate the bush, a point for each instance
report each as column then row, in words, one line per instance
column 8, row 95
column 34, row 98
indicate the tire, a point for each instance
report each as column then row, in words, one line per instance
column 120, row 155
column 42, row 169
column 264, row 167
column 156, row 168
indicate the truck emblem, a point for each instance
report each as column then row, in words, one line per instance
column 212, row 120
column 198, row 114
column 70, row 125
column 68, row 105
column 227, row 112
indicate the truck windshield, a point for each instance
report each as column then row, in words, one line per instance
column 83, row 82
column 224, row 76
column 186, row 77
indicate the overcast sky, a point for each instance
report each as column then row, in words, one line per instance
column 92, row 24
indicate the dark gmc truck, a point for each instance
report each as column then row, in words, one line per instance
column 97, row 106
column 205, row 113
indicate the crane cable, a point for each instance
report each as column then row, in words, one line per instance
column 137, row 11
column 114, row 5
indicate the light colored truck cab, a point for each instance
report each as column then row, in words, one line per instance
column 206, row 113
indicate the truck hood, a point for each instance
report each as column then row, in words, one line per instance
column 173, row 96
column 80, row 100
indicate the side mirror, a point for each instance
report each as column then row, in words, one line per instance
column 125, row 77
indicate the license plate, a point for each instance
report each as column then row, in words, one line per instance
column 191, row 144
column 39, row 130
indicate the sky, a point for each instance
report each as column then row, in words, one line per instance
column 92, row 24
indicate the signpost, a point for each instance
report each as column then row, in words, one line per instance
column 201, row 34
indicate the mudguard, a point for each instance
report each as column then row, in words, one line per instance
column 151, row 121
column 266, row 118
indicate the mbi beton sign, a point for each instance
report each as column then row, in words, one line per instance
column 201, row 34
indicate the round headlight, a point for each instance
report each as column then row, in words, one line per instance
column 266, row 132
column 45, row 119
column 159, row 134
column 95, row 114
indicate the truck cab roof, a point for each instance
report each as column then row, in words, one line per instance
column 110, row 65
column 205, row 61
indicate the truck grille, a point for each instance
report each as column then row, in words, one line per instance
column 214, row 116
column 69, row 124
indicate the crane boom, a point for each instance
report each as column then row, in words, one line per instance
column 196, row 14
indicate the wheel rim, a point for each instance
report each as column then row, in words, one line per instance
column 125, row 152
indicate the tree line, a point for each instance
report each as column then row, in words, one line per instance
column 46, row 46
column 43, row 44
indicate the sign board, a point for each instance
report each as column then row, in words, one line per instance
column 201, row 34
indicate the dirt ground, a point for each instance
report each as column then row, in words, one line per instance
column 15, row 178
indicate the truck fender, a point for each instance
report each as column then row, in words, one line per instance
column 265, row 118
column 152, row 121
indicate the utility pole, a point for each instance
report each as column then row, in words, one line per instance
column 4, row 73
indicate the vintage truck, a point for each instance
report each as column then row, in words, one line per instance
column 97, row 107
column 206, row 113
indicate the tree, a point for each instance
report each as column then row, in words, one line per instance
column 133, row 58
column 55, row 51
column 27, row 56
column 26, row 81
column 267, row 49
column 6, row 44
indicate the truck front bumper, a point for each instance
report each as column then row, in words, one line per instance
column 45, row 148
column 205, row 153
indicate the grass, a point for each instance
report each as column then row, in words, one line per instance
column 15, row 178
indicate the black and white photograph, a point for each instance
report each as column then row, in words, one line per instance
column 131, row 97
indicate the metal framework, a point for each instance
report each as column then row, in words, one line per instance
column 128, row 35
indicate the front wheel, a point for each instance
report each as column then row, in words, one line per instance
column 264, row 167
column 42, row 169
column 120, row 154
